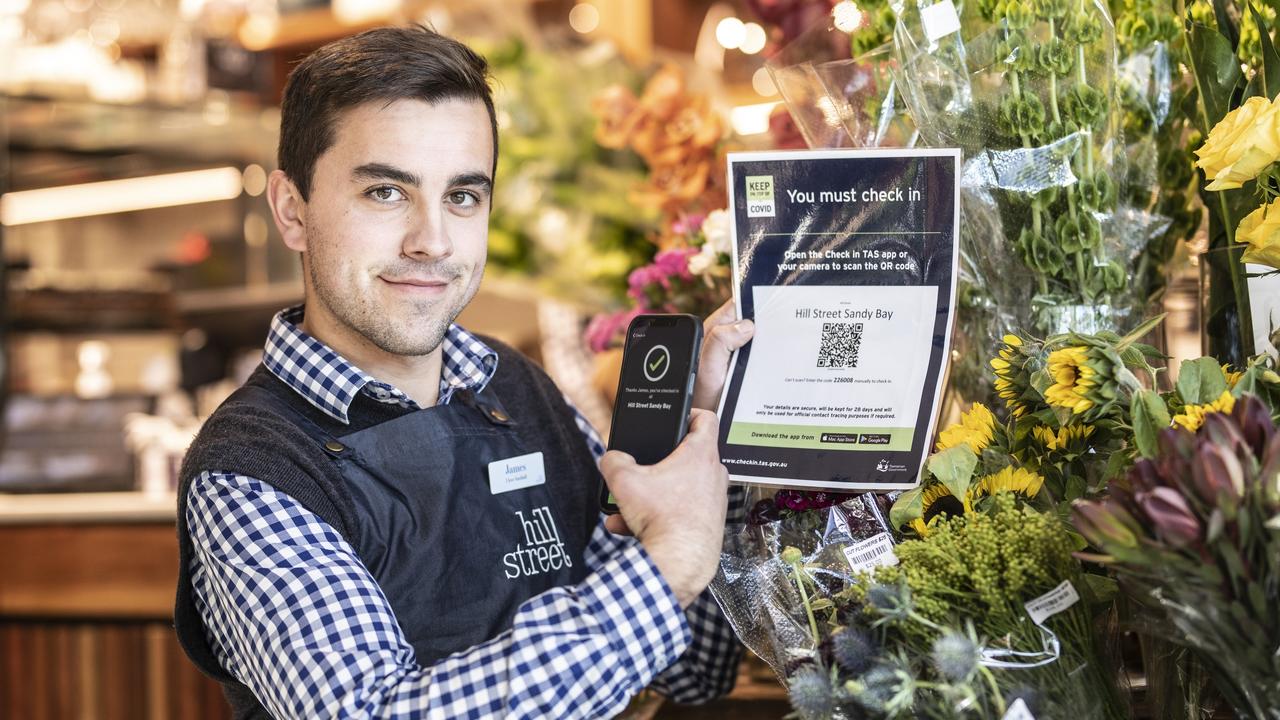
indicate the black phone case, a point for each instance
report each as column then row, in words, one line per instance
column 605, row 505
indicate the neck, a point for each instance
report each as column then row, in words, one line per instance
column 417, row 376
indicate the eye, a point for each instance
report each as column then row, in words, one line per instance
column 464, row 198
column 385, row 193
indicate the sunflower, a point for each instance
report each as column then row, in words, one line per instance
column 1015, row 480
column 976, row 429
column 1068, row 435
column 1232, row 377
column 936, row 500
column 1192, row 416
column 1013, row 369
column 1074, row 379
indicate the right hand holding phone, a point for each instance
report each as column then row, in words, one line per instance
column 676, row 508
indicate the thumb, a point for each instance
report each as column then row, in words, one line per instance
column 614, row 462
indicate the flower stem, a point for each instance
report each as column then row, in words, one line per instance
column 995, row 689
column 808, row 609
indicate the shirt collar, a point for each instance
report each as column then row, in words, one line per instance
column 328, row 381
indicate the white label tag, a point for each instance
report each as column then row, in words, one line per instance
column 1019, row 711
column 871, row 553
column 516, row 473
column 939, row 20
column 1052, row 602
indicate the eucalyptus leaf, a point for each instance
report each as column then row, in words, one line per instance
column 954, row 468
column 1139, row 332
column 1102, row 588
column 1201, row 381
column 1150, row 417
column 908, row 507
column 1216, row 71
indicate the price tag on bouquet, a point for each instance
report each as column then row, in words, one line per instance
column 1053, row 602
column 846, row 260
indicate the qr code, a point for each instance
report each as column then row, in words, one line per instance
column 840, row 345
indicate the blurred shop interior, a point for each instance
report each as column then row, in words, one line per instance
column 141, row 270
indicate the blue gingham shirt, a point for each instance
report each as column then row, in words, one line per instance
column 291, row 612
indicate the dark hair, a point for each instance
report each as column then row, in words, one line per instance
column 392, row 63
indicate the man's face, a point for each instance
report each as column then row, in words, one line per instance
column 398, row 220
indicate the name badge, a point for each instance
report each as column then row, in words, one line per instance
column 516, row 473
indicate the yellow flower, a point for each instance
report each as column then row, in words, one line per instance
column 1232, row 377
column 975, row 429
column 1016, row 480
column 936, row 500
column 1192, row 416
column 1073, row 378
column 1013, row 378
column 1261, row 230
column 1063, row 437
column 1241, row 145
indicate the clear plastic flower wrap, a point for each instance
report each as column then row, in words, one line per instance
column 838, row 82
column 988, row 617
column 1027, row 89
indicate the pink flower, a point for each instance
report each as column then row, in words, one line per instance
column 688, row 224
column 606, row 329
column 674, row 263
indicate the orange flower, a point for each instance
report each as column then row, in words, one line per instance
column 664, row 93
column 672, row 187
column 695, row 125
column 616, row 107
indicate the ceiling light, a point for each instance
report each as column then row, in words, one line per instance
column 117, row 196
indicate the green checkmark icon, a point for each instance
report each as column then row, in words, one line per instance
column 657, row 362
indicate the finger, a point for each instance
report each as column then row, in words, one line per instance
column 725, row 314
column 721, row 342
column 703, row 435
column 614, row 462
column 616, row 525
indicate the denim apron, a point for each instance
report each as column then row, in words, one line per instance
column 455, row 556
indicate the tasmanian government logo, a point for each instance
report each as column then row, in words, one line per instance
column 885, row 466
column 541, row 550
column 760, row 196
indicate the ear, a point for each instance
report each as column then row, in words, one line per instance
column 288, row 209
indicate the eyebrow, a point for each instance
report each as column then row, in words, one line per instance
column 382, row 171
column 474, row 179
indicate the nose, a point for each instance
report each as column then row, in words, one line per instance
column 427, row 236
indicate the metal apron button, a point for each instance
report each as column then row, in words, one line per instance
column 334, row 446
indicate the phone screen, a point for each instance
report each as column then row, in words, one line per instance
column 651, row 412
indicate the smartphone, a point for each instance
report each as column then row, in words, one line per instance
column 655, row 389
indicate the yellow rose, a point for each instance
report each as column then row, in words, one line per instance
column 1244, row 143
column 1261, row 230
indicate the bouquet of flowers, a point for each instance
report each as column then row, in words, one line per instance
column 1195, row 531
column 691, row 276
column 1237, row 111
column 987, row 613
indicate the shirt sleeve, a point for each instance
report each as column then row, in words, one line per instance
column 709, row 668
column 292, row 613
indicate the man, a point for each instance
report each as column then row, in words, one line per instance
column 348, row 547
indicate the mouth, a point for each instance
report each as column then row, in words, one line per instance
column 417, row 286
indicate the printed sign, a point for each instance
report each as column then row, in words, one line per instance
column 850, row 278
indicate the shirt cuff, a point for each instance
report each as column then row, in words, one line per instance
column 641, row 613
